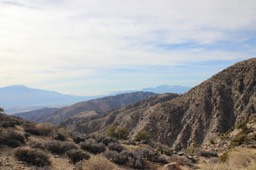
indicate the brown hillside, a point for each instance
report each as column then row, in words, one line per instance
column 100, row 105
column 213, row 107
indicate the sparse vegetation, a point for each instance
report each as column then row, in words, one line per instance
column 32, row 156
column 114, row 146
column 236, row 159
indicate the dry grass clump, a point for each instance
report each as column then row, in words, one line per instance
column 238, row 159
column 97, row 162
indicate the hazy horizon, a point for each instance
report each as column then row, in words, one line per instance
column 85, row 47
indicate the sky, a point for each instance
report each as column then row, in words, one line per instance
column 93, row 47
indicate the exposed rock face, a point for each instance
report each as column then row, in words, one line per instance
column 212, row 107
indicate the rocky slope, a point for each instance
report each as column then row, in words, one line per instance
column 93, row 123
column 211, row 108
column 98, row 106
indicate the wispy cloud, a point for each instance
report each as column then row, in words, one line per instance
column 84, row 37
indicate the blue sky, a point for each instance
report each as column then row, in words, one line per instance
column 91, row 47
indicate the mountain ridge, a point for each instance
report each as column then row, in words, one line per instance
column 100, row 105
column 213, row 107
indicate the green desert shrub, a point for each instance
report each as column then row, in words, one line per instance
column 76, row 155
column 34, row 157
column 59, row 147
column 142, row 136
column 118, row 132
column 92, row 146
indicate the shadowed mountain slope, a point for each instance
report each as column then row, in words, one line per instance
column 213, row 107
column 98, row 106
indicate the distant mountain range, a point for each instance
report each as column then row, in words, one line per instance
column 168, row 89
column 19, row 98
column 225, row 101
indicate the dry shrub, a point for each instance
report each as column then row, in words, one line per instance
column 43, row 129
column 76, row 155
column 59, row 147
column 97, row 163
column 12, row 139
column 34, row 157
column 92, row 146
column 37, row 144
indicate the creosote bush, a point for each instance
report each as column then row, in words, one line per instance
column 118, row 132
column 92, row 146
column 59, row 147
column 32, row 156
column 142, row 136
column 76, row 155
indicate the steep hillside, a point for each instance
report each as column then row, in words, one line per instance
column 211, row 108
column 99, row 106
column 94, row 122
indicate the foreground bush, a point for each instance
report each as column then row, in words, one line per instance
column 128, row 158
column 96, row 163
column 59, row 147
column 12, row 139
column 76, row 155
column 32, row 156
column 92, row 146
